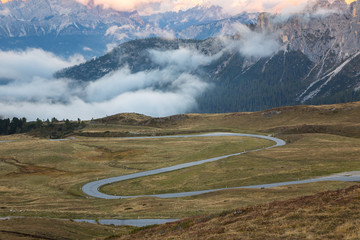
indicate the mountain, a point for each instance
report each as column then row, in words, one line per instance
column 183, row 19
column 200, row 22
column 60, row 26
column 66, row 27
column 317, row 61
column 135, row 55
column 329, row 37
column 217, row 28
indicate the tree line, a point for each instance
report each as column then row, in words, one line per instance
column 50, row 128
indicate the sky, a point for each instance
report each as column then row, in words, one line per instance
column 230, row 6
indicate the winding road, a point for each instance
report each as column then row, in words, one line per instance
column 92, row 188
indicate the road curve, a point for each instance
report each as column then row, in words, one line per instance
column 92, row 188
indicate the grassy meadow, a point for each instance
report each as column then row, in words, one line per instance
column 326, row 154
column 42, row 179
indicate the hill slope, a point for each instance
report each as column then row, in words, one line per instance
column 322, row 140
column 327, row 215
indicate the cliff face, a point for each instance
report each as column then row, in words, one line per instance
column 321, row 31
column 355, row 9
column 327, row 33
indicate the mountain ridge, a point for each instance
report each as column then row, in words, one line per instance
column 314, row 62
column 57, row 21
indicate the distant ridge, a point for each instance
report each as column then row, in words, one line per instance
column 66, row 27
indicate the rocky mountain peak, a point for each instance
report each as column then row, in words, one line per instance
column 264, row 21
column 322, row 30
column 340, row 4
column 67, row 27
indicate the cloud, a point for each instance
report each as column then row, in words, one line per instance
column 120, row 82
column 25, row 65
column 182, row 59
column 110, row 47
column 251, row 43
column 126, row 32
column 118, row 31
column 28, row 76
column 307, row 11
column 87, row 49
column 28, row 89
column 34, row 90
column 147, row 102
column 5, row 12
column 34, row 93
column 122, row 5
column 151, row 31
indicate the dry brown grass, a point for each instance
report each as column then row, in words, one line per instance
column 308, row 156
column 327, row 215
column 43, row 178
column 272, row 121
column 54, row 229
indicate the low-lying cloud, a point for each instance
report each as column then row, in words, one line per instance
column 25, row 65
column 182, row 59
column 30, row 90
column 252, row 43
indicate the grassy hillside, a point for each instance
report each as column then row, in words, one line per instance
column 339, row 119
column 326, row 215
column 42, row 178
column 52, row 229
